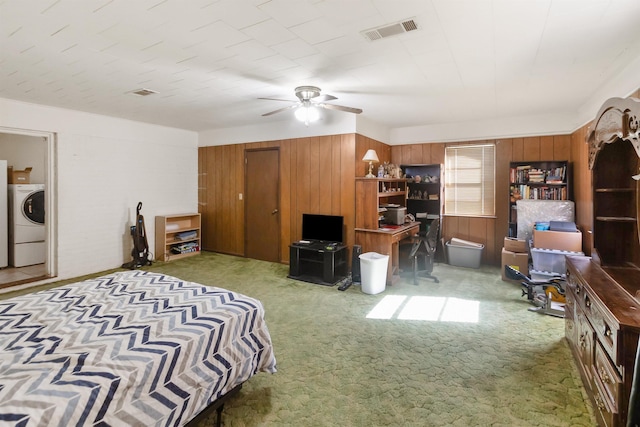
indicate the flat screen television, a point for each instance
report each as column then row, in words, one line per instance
column 326, row 228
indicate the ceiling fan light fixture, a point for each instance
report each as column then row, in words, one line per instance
column 307, row 108
column 307, row 114
column 304, row 93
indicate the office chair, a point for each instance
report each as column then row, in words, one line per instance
column 424, row 249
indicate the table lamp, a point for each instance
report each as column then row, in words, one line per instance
column 370, row 156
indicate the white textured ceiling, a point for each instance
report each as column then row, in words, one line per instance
column 210, row 60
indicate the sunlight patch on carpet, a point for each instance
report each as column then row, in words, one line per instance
column 443, row 309
column 387, row 307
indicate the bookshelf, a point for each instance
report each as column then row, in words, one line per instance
column 539, row 180
column 425, row 194
column 615, row 227
column 177, row 236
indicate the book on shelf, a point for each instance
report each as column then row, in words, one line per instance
column 536, row 175
column 186, row 235
column 524, row 191
column 184, row 248
column 528, row 174
column 520, row 173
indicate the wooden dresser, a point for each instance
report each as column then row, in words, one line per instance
column 602, row 314
column 602, row 324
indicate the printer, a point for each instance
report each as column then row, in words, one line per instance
column 395, row 215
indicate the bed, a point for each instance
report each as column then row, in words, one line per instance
column 129, row 348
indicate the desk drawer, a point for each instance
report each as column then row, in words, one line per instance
column 404, row 234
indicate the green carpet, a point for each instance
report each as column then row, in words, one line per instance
column 501, row 365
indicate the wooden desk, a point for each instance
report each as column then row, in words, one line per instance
column 385, row 242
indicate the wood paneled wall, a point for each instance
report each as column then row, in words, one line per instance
column 489, row 231
column 363, row 144
column 317, row 175
column 582, row 185
column 220, row 181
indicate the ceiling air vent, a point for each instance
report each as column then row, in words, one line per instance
column 143, row 92
column 390, row 30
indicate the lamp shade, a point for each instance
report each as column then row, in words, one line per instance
column 370, row 156
column 307, row 114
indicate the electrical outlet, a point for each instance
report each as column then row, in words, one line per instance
column 239, row 196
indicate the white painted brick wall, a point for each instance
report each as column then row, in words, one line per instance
column 105, row 166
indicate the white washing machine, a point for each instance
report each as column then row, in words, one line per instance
column 26, row 224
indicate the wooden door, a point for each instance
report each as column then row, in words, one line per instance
column 262, row 207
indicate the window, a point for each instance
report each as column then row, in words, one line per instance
column 470, row 180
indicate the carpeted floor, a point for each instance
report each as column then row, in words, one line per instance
column 468, row 354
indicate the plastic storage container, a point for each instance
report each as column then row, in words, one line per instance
column 461, row 253
column 551, row 260
column 373, row 272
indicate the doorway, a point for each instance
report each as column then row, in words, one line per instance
column 23, row 148
column 262, row 204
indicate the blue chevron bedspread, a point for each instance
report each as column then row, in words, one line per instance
column 130, row 348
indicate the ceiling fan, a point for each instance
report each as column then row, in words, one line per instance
column 309, row 97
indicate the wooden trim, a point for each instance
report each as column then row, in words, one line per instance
column 618, row 118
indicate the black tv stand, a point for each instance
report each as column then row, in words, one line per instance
column 322, row 263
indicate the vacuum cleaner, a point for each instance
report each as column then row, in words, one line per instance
column 140, row 251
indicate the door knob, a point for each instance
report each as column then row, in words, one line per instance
column 275, row 211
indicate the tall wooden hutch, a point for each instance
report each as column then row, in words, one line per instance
column 371, row 195
column 603, row 292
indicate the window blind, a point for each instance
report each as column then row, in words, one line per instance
column 470, row 180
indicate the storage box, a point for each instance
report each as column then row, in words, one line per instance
column 462, row 253
column 18, row 177
column 566, row 226
column 517, row 260
column 395, row 215
column 551, row 260
column 515, row 245
column 559, row 240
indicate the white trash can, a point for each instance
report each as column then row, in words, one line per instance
column 373, row 272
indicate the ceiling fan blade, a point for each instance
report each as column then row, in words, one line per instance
column 323, row 98
column 278, row 99
column 280, row 109
column 341, row 108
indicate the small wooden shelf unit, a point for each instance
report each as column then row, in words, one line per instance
column 169, row 227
